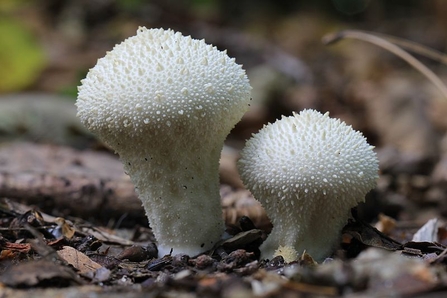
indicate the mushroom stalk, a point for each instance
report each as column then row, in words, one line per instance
column 179, row 188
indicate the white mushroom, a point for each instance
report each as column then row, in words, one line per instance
column 165, row 103
column 307, row 170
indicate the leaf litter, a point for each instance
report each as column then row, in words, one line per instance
column 78, row 259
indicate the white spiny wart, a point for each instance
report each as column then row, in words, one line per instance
column 308, row 170
column 162, row 101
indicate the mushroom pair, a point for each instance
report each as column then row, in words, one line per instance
column 165, row 103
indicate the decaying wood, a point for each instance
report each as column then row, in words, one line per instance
column 91, row 184
column 82, row 195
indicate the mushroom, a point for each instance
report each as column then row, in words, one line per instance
column 165, row 103
column 307, row 170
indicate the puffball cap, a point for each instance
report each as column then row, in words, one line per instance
column 308, row 159
column 158, row 79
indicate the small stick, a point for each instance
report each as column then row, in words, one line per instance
column 335, row 37
column 414, row 47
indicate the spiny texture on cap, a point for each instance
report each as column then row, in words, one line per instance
column 165, row 103
column 158, row 79
column 308, row 170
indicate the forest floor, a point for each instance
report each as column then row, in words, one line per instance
column 71, row 224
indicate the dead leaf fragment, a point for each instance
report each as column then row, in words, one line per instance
column 428, row 232
column 138, row 253
column 66, row 229
column 370, row 236
column 385, row 224
column 78, row 260
column 16, row 247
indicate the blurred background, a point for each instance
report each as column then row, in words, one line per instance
column 48, row 46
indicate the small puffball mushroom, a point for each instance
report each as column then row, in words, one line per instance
column 165, row 103
column 307, row 170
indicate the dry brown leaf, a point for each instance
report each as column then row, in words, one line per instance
column 67, row 230
column 385, row 224
column 78, row 260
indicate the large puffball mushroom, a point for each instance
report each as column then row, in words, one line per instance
column 165, row 103
column 307, row 170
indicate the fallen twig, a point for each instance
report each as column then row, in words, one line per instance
column 381, row 42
